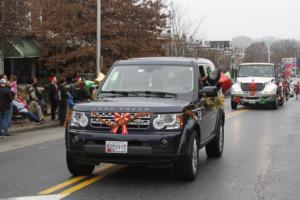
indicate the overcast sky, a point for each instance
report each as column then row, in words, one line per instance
column 225, row 19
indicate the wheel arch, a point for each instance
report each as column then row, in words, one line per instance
column 191, row 126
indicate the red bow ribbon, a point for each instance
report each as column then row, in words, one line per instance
column 252, row 87
column 121, row 120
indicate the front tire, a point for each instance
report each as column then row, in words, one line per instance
column 233, row 105
column 77, row 169
column 187, row 166
column 275, row 104
column 214, row 149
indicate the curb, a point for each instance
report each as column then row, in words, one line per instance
column 34, row 127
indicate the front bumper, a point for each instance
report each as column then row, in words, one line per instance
column 258, row 98
column 143, row 148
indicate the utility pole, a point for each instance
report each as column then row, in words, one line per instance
column 98, row 37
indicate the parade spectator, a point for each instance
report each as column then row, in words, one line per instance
column 6, row 98
column 14, row 89
column 62, row 101
column 81, row 93
column 73, row 88
column 53, row 91
column 36, row 94
column 22, row 110
column 13, row 84
column 33, row 107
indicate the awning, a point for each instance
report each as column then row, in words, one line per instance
column 25, row 48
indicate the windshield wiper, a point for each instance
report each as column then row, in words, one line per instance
column 124, row 93
column 147, row 92
column 161, row 94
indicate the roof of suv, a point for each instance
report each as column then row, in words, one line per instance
column 165, row 61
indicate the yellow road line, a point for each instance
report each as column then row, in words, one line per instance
column 112, row 169
column 72, row 181
column 235, row 114
column 62, row 185
column 81, row 185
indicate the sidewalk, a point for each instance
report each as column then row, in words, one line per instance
column 30, row 126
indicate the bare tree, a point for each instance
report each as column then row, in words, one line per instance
column 256, row 52
column 183, row 31
column 284, row 49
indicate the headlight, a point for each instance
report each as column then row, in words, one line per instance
column 270, row 89
column 236, row 89
column 168, row 121
column 79, row 119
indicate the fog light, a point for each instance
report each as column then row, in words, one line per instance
column 164, row 142
column 75, row 139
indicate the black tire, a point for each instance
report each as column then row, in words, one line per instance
column 233, row 105
column 214, row 149
column 274, row 104
column 186, row 167
column 78, row 169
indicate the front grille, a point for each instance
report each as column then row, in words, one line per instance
column 139, row 123
column 252, row 98
column 259, row 87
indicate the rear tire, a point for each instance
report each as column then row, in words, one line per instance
column 77, row 169
column 186, row 167
column 214, row 149
column 233, row 105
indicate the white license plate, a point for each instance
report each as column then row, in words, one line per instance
column 251, row 102
column 116, row 147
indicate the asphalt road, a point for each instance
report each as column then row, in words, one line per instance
column 261, row 161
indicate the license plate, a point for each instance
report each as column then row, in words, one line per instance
column 251, row 102
column 120, row 147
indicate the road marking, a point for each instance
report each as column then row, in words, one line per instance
column 62, row 185
column 45, row 197
column 85, row 183
column 112, row 169
column 236, row 113
column 81, row 185
column 106, row 169
column 72, row 181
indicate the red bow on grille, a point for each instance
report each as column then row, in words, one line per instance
column 121, row 120
column 252, row 88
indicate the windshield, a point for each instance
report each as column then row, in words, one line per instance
column 159, row 78
column 256, row 71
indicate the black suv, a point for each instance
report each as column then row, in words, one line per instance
column 148, row 111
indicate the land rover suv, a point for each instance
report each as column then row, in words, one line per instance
column 148, row 111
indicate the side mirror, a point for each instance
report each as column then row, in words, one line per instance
column 209, row 91
column 214, row 77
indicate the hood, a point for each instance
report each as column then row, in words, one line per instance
column 256, row 79
column 133, row 104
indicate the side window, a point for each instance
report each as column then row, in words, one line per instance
column 208, row 70
column 201, row 76
column 202, row 71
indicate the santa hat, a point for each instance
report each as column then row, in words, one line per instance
column 52, row 79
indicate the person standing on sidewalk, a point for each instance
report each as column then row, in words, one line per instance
column 6, row 98
column 62, row 101
column 14, row 89
column 53, row 91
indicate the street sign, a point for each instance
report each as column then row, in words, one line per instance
column 289, row 66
